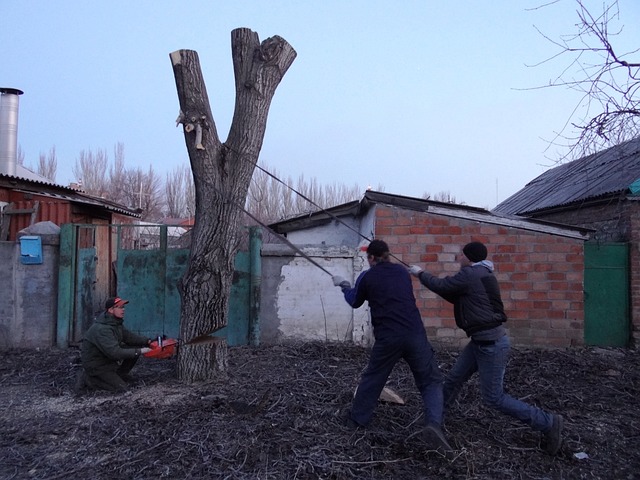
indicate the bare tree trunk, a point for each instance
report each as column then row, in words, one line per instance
column 221, row 173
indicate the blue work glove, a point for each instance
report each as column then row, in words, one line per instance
column 339, row 281
column 415, row 270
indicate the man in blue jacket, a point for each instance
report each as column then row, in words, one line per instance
column 399, row 333
column 109, row 351
column 478, row 310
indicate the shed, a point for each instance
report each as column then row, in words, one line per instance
column 539, row 265
column 28, row 201
column 600, row 192
column 27, row 198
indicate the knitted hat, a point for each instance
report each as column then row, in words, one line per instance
column 114, row 302
column 475, row 251
column 377, row 248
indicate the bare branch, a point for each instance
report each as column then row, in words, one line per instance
column 608, row 80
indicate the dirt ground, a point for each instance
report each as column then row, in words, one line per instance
column 277, row 416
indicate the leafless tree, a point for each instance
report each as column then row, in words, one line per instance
column 443, row 196
column 117, row 176
column 20, row 156
column 309, row 190
column 271, row 199
column 48, row 165
column 179, row 193
column 132, row 188
column 143, row 190
column 265, row 195
column 337, row 194
column 91, row 170
column 607, row 77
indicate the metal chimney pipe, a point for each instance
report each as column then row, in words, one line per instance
column 9, row 103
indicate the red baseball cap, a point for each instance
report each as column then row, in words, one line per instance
column 115, row 302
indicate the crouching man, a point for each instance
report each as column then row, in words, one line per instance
column 109, row 351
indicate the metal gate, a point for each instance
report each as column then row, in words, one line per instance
column 144, row 265
column 606, row 294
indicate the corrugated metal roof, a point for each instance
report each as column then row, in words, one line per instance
column 47, row 189
column 476, row 214
column 602, row 174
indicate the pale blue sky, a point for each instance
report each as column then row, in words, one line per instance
column 416, row 96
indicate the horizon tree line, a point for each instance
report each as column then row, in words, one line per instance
column 270, row 198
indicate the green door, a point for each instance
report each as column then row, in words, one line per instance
column 606, row 294
column 86, row 275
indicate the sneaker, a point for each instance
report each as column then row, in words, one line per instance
column 554, row 436
column 436, row 440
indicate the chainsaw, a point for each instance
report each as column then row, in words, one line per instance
column 162, row 348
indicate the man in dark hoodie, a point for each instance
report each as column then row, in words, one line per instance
column 478, row 310
column 109, row 351
column 399, row 334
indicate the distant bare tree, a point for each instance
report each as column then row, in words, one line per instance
column 288, row 206
column 311, row 190
column 143, row 190
column 117, row 175
column 132, row 188
column 264, row 197
column 91, row 170
column 271, row 199
column 190, row 195
column 48, row 165
column 20, row 156
column 337, row 194
column 443, row 196
column 608, row 79
column 153, row 199
column 180, row 193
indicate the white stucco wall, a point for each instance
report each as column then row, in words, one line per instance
column 309, row 306
column 299, row 300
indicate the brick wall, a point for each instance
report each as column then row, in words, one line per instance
column 634, row 261
column 615, row 221
column 610, row 220
column 541, row 275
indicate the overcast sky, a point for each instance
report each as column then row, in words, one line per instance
column 414, row 96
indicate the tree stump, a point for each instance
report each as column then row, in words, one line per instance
column 202, row 360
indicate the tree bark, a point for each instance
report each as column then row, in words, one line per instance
column 222, row 174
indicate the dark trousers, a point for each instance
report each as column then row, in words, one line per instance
column 112, row 381
column 419, row 355
column 490, row 361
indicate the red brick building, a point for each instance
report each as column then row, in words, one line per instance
column 600, row 192
column 540, row 266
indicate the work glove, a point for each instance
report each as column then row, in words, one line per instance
column 415, row 270
column 339, row 281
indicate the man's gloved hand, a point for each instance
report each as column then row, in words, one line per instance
column 339, row 281
column 144, row 350
column 415, row 270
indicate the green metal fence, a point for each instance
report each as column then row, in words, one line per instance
column 148, row 267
